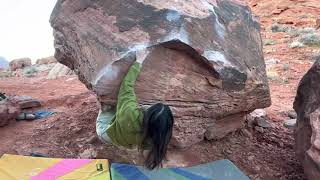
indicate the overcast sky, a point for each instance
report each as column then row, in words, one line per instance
column 25, row 30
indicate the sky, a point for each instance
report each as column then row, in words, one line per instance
column 25, row 30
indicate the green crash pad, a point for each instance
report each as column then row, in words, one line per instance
column 217, row 170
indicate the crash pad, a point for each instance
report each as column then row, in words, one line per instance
column 217, row 170
column 15, row 167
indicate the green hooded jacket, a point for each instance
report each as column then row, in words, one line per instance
column 126, row 125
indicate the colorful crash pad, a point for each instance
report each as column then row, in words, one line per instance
column 14, row 167
column 217, row 170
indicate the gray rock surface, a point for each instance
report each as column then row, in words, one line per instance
column 307, row 131
column 262, row 122
column 292, row 114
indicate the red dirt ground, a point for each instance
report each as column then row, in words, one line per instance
column 267, row 155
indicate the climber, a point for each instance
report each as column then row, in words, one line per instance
column 129, row 126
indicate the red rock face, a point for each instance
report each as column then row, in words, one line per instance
column 205, row 59
column 307, row 133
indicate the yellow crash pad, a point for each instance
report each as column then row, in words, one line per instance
column 15, row 167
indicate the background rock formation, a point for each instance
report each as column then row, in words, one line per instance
column 59, row 70
column 47, row 60
column 307, row 133
column 206, row 57
column 20, row 63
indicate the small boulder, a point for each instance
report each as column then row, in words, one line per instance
column 26, row 102
column 292, row 114
column 259, row 113
column 290, row 123
column 259, row 129
column 8, row 112
column 19, row 63
column 59, row 70
column 47, row 60
column 258, row 118
column 90, row 153
column 262, row 122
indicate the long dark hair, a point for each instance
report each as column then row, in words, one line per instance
column 156, row 133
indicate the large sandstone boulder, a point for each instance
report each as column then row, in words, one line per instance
column 47, row 60
column 59, row 70
column 307, row 132
column 19, row 63
column 205, row 58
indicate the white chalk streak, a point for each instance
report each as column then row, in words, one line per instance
column 216, row 56
column 219, row 27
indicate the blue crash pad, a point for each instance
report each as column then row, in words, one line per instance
column 217, row 170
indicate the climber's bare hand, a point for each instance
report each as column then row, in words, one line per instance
column 141, row 55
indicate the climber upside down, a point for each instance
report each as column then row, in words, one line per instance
column 130, row 126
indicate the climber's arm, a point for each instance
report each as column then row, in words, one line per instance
column 127, row 101
column 126, row 96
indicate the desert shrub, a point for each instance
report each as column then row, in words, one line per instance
column 5, row 74
column 311, row 39
column 307, row 30
column 43, row 67
column 271, row 61
column 268, row 42
column 29, row 71
column 279, row 28
column 296, row 44
column 286, row 67
column 316, row 56
column 292, row 31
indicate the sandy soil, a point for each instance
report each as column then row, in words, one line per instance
column 70, row 132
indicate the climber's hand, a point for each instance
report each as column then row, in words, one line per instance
column 141, row 55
